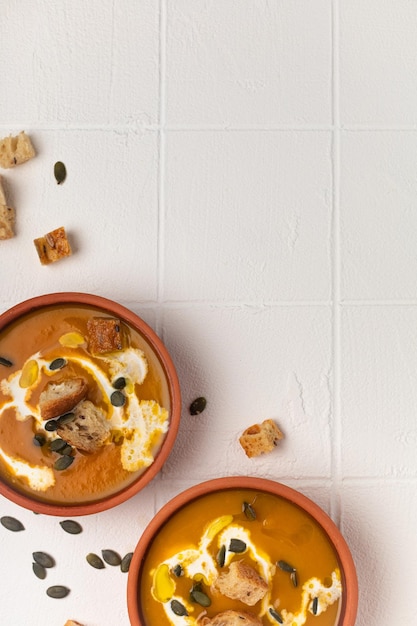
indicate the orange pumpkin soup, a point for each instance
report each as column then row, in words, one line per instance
column 125, row 383
column 188, row 574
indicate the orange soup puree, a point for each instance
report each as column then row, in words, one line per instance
column 27, row 461
column 285, row 546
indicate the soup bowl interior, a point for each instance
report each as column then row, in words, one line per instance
column 193, row 541
column 133, row 382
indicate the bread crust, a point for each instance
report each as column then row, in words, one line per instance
column 241, row 582
column 260, row 438
column 53, row 246
column 61, row 397
column 89, row 429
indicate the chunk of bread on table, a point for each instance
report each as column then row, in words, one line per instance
column 7, row 216
column 61, row 397
column 104, row 335
column 16, row 150
column 70, row 622
column 89, row 429
column 241, row 582
column 232, row 618
column 53, row 246
column 260, row 438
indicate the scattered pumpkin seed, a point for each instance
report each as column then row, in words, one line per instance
column 5, row 362
column 65, row 419
column 63, row 462
column 200, row 597
column 43, row 559
column 39, row 440
column 119, row 383
column 237, row 545
column 315, row 605
column 198, row 405
column 177, row 570
column 68, row 450
column 57, row 444
column 11, row 523
column 95, row 561
column 125, row 563
column 117, row 398
column 286, row 567
column 57, row 591
column 71, row 526
column 249, row 511
column 221, row 556
column 178, row 608
column 57, row 364
column 60, row 172
column 39, row 570
column 51, row 425
column 111, row 557
column 277, row 617
column 294, row 578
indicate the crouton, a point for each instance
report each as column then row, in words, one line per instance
column 260, row 438
column 7, row 215
column 70, row 622
column 104, row 335
column 53, row 246
column 15, row 150
column 88, row 430
column 60, row 397
column 241, row 582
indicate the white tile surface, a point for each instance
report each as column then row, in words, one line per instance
column 242, row 174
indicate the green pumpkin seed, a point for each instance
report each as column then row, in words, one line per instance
column 315, row 605
column 39, row 440
column 221, row 556
column 60, row 172
column 11, row 523
column 277, row 617
column 57, row 591
column 285, row 567
column 237, row 545
column 200, row 597
column 65, row 419
column 119, row 383
column 51, row 425
column 43, row 559
column 5, row 362
column 178, row 571
column 111, row 557
column 117, row 398
column 294, row 578
column 178, row 608
column 57, row 364
column 249, row 511
column 63, row 462
column 125, row 563
column 95, row 561
column 71, row 527
column 68, row 450
column 39, row 570
column 57, row 444
column 197, row 406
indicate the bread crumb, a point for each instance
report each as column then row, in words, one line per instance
column 260, row 438
column 16, row 150
column 53, row 246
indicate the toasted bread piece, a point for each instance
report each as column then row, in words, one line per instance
column 15, row 150
column 7, row 215
column 61, row 397
column 104, row 335
column 53, row 246
column 2, row 192
column 260, row 438
column 232, row 618
column 89, row 429
column 70, row 622
column 241, row 582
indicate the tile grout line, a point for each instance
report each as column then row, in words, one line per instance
column 336, row 443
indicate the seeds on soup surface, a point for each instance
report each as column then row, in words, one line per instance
column 178, row 608
column 286, row 567
column 57, row 444
column 249, row 511
column 200, row 597
column 5, row 362
column 57, row 364
column 125, row 563
column 119, row 383
column 221, row 556
column 95, row 561
column 57, row 591
column 39, row 570
column 315, row 605
column 277, row 617
column 111, row 557
column 117, row 398
column 177, row 570
column 294, row 578
column 51, row 425
column 65, row 419
column 11, row 523
column 63, row 462
column 71, row 526
column 198, row 405
column 39, row 440
column 237, row 545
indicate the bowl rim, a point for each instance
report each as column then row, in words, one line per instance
column 111, row 306
column 349, row 603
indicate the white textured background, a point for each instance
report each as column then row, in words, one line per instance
column 243, row 175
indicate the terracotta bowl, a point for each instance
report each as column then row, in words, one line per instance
column 153, row 537
column 153, row 348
